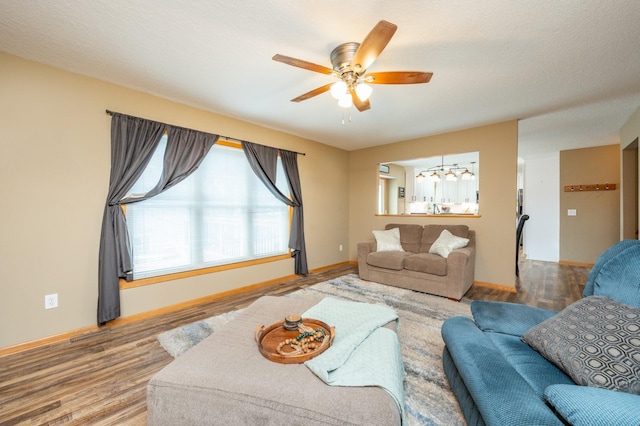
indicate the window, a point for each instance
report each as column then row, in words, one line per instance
column 222, row 213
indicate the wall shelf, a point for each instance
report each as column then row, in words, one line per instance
column 590, row 187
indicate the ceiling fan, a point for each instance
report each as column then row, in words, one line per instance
column 350, row 62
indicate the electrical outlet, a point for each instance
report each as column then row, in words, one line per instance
column 51, row 301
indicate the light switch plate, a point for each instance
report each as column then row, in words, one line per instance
column 572, row 212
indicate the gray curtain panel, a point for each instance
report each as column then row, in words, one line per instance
column 133, row 141
column 263, row 161
column 185, row 151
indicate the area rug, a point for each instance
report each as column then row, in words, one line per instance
column 428, row 398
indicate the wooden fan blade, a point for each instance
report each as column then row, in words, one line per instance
column 303, row 64
column 312, row 93
column 397, row 77
column 360, row 105
column 372, row 45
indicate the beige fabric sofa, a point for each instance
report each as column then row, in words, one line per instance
column 416, row 268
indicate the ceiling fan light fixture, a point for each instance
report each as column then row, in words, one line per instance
column 338, row 89
column 363, row 91
column 345, row 101
column 349, row 63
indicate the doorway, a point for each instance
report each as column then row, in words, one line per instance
column 630, row 191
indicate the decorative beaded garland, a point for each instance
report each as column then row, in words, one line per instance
column 308, row 340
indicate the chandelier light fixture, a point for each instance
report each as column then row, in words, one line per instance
column 450, row 172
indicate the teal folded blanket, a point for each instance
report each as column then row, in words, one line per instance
column 363, row 353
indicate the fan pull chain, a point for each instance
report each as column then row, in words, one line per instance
column 348, row 120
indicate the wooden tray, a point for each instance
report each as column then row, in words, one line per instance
column 268, row 339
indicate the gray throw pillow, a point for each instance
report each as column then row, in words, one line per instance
column 595, row 341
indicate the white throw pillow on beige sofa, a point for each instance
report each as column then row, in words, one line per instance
column 388, row 240
column 446, row 243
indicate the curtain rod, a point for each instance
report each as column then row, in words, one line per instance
column 229, row 138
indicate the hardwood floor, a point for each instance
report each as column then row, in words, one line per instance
column 100, row 378
column 546, row 285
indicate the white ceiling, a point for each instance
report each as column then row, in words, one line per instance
column 569, row 70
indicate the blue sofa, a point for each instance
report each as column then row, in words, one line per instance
column 499, row 379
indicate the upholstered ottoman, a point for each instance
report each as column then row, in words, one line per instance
column 225, row 380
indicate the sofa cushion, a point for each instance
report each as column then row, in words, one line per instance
column 507, row 318
column 602, row 260
column 432, row 232
column 410, row 236
column 582, row 405
column 624, row 267
column 595, row 340
column 428, row 263
column 388, row 259
column 388, row 240
column 446, row 243
column 535, row 369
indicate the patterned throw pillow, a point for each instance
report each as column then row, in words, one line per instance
column 596, row 341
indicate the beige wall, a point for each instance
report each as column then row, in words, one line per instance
column 596, row 225
column 54, row 169
column 495, row 229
